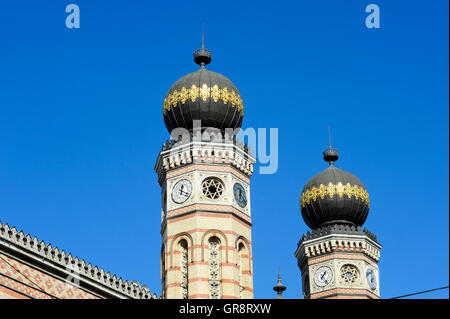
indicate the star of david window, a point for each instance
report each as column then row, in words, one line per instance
column 212, row 187
column 349, row 273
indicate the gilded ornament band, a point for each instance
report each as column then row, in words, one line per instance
column 204, row 92
column 331, row 190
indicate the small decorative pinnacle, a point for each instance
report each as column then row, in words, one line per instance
column 202, row 56
column 279, row 287
column 330, row 155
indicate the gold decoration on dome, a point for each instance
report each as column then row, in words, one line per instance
column 215, row 93
column 204, row 92
column 193, row 94
column 331, row 190
column 184, row 95
column 225, row 95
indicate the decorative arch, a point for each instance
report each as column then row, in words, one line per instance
column 182, row 243
column 244, row 241
column 176, row 239
column 243, row 263
column 219, row 234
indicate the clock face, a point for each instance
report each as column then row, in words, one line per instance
column 181, row 191
column 239, row 195
column 371, row 279
column 323, row 276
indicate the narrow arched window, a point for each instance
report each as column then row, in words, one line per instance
column 214, row 268
column 163, row 271
column 184, row 268
column 242, row 257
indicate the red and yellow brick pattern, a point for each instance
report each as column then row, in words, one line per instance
column 19, row 280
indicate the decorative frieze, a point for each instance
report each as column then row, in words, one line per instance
column 204, row 93
column 339, row 243
column 208, row 153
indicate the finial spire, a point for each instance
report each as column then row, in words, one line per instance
column 202, row 56
column 203, row 36
column 330, row 155
column 279, row 287
column 329, row 137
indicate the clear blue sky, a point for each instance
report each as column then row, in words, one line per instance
column 81, row 123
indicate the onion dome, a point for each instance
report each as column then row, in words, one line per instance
column 203, row 95
column 334, row 196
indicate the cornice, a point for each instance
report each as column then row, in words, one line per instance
column 338, row 229
column 173, row 156
column 338, row 238
column 50, row 257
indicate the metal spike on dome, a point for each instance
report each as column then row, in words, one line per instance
column 330, row 155
column 202, row 56
column 203, row 36
column 329, row 136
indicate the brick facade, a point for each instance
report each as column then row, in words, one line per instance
column 19, row 280
column 33, row 269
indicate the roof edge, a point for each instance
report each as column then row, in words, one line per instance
column 55, row 256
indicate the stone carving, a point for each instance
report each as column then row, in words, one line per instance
column 214, row 268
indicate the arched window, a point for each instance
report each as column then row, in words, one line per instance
column 241, row 265
column 214, row 267
column 163, row 270
column 184, row 268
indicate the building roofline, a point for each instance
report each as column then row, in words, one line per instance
column 90, row 276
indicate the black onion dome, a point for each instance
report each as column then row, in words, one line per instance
column 334, row 196
column 203, row 95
